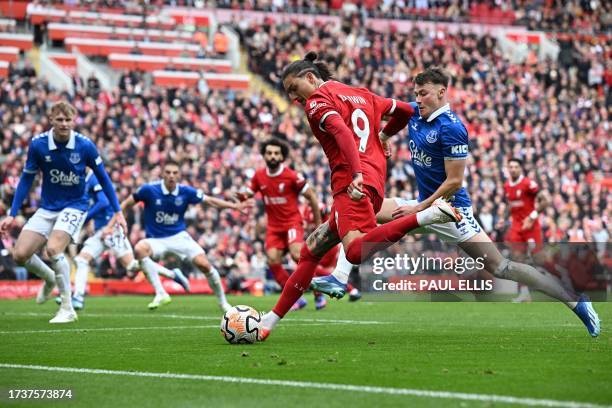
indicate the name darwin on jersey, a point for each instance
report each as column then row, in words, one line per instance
column 59, row 177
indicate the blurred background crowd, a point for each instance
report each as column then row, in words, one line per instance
column 552, row 114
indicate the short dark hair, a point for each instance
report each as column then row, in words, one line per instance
column 273, row 141
column 171, row 162
column 308, row 64
column 434, row 75
column 516, row 160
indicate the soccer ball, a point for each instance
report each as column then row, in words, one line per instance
column 240, row 325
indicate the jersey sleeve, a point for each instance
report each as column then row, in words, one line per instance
column 533, row 187
column 254, row 186
column 93, row 184
column 299, row 182
column 454, row 141
column 31, row 165
column 142, row 194
column 318, row 109
column 383, row 106
column 195, row 196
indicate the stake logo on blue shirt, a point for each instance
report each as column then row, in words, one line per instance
column 440, row 137
column 63, row 167
column 164, row 211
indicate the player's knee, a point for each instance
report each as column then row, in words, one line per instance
column 142, row 250
column 501, row 269
column 201, row 262
column 55, row 248
column 21, row 256
column 307, row 255
column 353, row 253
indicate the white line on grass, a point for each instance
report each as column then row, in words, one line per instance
column 191, row 317
column 210, row 326
column 325, row 386
column 71, row 330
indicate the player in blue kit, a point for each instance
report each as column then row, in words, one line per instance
column 101, row 212
column 62, row 156
column 438, row 143
column 165, row 203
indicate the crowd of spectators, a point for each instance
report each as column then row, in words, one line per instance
column 553, row 115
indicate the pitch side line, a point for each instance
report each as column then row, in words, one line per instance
column 324, row 386
column 72, row 330
column 107, row 329
column 192, row 317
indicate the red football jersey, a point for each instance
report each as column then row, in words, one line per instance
column 361, row 111
column 521, row 199
column 280, row 192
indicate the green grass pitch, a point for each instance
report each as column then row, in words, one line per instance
column 467, row 354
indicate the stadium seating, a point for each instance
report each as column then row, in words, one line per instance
column 151, row 63
column 9, row 54
column 60, row 31
column 22, row 41
column 104, row 48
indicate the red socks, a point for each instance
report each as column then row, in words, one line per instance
column 280, row 274
column 298, row 282
column 380, row 238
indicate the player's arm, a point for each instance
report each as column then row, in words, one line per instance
column 220, row 203
column 128, row 203
column 541, row 201
column 23, row 188
column 455, row 149
column 313, row 202
column 454, row 180
column 97, row 166
column 335, row 126
column 398, row 114
column 244, row 193
column 100, row 204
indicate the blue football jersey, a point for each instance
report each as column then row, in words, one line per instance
column 164, row 211
column 440, row 137
column 102, row 217
column 63, row 167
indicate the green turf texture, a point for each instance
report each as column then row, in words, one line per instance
column 536, row 350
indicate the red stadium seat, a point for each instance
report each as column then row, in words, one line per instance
column 22, row 41
column 4, row 69
column 9, row 54
column 214, row 81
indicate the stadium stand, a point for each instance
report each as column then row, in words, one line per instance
column 555, row 114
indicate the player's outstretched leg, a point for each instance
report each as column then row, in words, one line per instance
column 481, row 246
column 36, row 266
column 80, row 282
column 56, row 245
column 175, row 274
column 149, row 267
column 380, row 238
column 214, row 280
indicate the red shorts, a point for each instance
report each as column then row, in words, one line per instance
column 281, row 239
column 533, row 238
column 349, row 215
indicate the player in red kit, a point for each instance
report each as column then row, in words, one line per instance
column 347, row 123
column 280, row 188
column 522, row 196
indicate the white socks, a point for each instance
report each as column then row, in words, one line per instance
column 163, row 271
column 343, row 267
column 214, row 280
column 536, row 279
column 36, row 266
column 150, row 269
column 60, row 265
column 80, row 278
column 269, row 320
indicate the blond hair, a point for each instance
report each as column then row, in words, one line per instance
column 62, row 107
